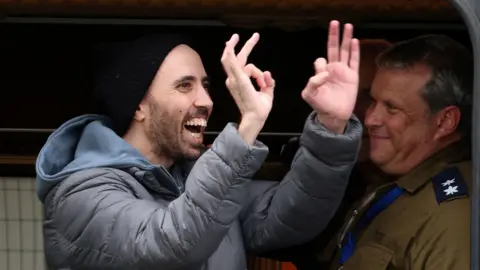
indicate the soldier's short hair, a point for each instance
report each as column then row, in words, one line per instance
column 451, row 65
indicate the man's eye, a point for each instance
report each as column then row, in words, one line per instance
column 186, row 86
column 391, row 109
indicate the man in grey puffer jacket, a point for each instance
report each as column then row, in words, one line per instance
column 127, row 188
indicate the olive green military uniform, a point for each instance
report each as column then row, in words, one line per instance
column 427, row 227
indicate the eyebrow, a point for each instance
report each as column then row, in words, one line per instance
column 394, row 104
column 389, row 102
column 183, row 79
column 190, row 78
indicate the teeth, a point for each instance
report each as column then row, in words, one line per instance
column 197, row 122
column 195, row 135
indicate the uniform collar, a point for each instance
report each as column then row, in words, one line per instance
column 424, row 172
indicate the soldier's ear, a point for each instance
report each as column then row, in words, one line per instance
column 447, row 121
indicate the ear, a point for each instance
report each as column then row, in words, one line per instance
column 141, row 112
column 447, row 121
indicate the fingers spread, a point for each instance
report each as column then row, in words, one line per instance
column 355, row 55
column 320, row 65
column 232, row 42
column 229, row 60
column 247, row 49
column 234, row 39
column 346, row 43
column 333, row 41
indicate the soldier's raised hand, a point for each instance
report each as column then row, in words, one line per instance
column 332, row 91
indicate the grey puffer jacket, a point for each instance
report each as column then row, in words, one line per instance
column 107, row 207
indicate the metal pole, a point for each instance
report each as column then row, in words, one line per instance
column 26, row 130
column 46, row 130
column 470, row 12
column 412, row 26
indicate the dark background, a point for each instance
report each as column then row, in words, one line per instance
column 46, row 78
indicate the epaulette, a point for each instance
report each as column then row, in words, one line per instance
column 449, row 185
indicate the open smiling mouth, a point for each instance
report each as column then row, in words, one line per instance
column 196, row 127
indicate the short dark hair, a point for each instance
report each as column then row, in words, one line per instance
column 451, row 65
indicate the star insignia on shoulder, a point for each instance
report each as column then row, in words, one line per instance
column 449, row 185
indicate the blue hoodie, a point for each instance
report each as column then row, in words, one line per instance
column 81, row 143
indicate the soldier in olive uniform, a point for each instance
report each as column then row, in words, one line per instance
column 419, row 128
column 317, row 253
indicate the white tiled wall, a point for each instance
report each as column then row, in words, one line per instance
column 21, row 242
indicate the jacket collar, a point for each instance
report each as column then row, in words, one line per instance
column 423, row 173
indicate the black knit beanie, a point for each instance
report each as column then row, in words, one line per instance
column 125, row 73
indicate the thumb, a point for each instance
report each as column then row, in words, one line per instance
column 313, row 84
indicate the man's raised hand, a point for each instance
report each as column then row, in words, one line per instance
column 332, row 91
column 254, row 106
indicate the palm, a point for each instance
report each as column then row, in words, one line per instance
column 333, row 89
column 265, row 101
column 338, row 94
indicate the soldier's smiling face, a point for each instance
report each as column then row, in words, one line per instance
column 402, row 130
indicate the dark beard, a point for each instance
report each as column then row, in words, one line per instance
column 165, row 138
column 163, row 134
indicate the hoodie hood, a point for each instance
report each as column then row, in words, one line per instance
column 81, row 143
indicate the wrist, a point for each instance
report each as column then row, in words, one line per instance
column 249, row 128
column 333, row 124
